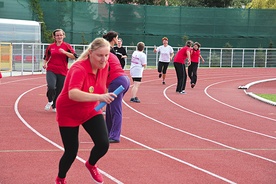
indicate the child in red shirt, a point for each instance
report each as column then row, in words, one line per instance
column 192, row 69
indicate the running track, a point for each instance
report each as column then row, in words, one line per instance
column 213, row 134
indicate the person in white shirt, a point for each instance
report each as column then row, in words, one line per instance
column 166, row 55
column 138, row 63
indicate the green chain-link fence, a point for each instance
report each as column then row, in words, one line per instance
column 212, row 27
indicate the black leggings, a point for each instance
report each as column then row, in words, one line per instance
column 181, row 74
column 192, row 72
column 55, row 84
column 162, row 67
column 96, row 128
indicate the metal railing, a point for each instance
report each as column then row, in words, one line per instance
column 29, row 56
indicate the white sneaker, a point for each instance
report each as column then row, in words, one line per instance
column 54, row 110
column 48, row 106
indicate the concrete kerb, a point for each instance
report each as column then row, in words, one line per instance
column 247, row 86
column 19, row 73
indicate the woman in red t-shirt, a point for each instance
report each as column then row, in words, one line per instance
column 84, row 87
column 180, row 68
column 192, row 69
column 56, row 65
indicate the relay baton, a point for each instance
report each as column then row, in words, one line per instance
column 119, row 90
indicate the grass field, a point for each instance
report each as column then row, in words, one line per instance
column 271, row 97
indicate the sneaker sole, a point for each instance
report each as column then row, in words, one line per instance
column 96, row 181
column 92, row 176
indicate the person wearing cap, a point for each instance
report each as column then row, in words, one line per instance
column 165, row 56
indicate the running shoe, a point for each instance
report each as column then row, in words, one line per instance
column 95, row 174
column 160, row 75
column 182, row 92
column 135, row 99
column 48, row 106
column 192, row 85
column 60, row 181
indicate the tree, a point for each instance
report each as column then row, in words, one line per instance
column 262, row 4
column 217, row 3
column 240, row 3
column 193, row 3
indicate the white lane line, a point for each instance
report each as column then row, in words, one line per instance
column 48, row 140
column 19, row 80
column 222, row 122
column 169, row 156
column 254, row 114
column 202, row 138
column 179, row 160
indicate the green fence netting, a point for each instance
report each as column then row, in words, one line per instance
column 212, row 27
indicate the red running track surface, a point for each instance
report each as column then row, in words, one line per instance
column 213, row 134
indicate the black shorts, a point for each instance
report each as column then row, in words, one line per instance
column 137, row 79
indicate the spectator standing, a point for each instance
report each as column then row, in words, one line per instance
column 121, row 52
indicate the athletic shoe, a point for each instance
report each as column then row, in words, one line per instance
column 54, row 110
column 96, row 176
column 48, row 106
column 182, row 92
column 164, row 82
column 113, row 141
column 192, row 85
column 135, row 99
column 160, row 75
column 60, row 181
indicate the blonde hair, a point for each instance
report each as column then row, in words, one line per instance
column 94, row 45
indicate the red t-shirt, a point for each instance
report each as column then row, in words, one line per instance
column 195, row 55
column 0, row 75
column 115, row 68
column 72, row 113
column 181, row 55
column 58, row 62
